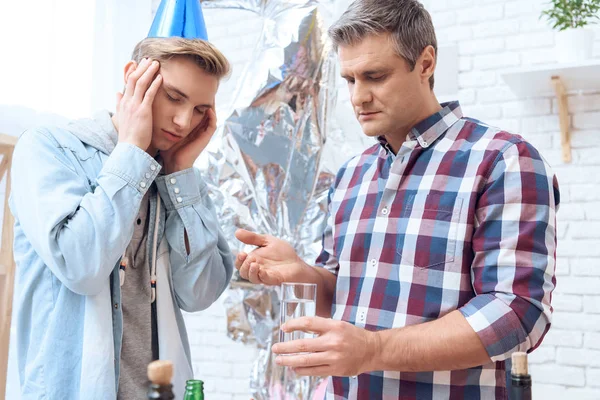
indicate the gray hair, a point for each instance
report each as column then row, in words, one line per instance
column 407, row 21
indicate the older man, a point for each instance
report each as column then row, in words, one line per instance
column 438, row 256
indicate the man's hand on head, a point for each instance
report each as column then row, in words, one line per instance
column 183, row 154
column 134, row 107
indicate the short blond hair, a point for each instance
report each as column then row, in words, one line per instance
column 204, row 54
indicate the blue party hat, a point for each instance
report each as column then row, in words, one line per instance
column 179, row 18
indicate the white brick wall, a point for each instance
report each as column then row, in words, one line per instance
column 495, row 35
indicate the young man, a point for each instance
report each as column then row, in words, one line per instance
column 438, row 256
column 115, row 233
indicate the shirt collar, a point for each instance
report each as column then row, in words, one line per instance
column 431, row 128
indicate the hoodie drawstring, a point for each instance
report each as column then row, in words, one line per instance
column 125, row 260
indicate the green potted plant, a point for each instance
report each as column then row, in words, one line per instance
column 570, row 18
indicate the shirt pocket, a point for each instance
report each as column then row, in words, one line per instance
column 427, row 230
column 87, row 163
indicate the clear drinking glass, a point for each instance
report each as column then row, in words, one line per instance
column 297, row 300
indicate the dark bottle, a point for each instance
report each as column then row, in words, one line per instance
column 160, row 374
column 194, row 390
column 520, row 379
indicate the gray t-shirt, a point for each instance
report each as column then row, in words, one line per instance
column 137, row 350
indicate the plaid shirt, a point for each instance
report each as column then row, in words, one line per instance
column 461, row 218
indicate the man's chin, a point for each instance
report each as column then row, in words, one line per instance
column 370, row 131
column 164, row 146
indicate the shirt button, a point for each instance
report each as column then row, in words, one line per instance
column 384, row 210
column 142, row 184
column 153, row 167
column 148, row 175
column 362, row 316
column 179, row 200
column 116, row 306
column 176, row 190
column 173, row 181
column 373, row 262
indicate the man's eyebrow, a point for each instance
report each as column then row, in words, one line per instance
column 185, row 96
column 174, row 89
column 374, row 72
column 369, row 72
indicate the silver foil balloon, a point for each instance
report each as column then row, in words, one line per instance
column 266, row 174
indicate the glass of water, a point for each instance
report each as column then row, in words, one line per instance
column 297, row 300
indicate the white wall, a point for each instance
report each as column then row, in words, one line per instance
column 65, row 57
column 493, row 35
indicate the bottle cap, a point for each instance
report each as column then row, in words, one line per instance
column 519, row 364
column 160, row 372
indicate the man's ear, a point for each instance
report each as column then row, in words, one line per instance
column 427, row 63
column 130, row 67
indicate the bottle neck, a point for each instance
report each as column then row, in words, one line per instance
column 194, row 384
column 194, row 390
column 160, row 392
column 520, row 387
column 521, row 380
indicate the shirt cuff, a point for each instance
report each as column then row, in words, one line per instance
column 133, row 165
column 497, row 326
column 180, row 189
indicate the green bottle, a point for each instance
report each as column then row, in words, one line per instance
column 194, row 390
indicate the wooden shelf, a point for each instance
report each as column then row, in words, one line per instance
column 7, row 264
column 8, row 140
column 536, row 81
column 556, row 80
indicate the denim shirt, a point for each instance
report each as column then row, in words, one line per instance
column 74, row 205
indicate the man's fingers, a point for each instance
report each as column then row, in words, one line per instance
column 239, row 260
column 323, row 370
column 317, row 344
column 270, row 277
column 211, row 123
column 203, row 125
column 244, row 270
column 119, row 98
column 253, row 273
column 145, row 81
column 308, row 324
column 152, row 90
column 134, row 76
column 304, row 360
column 251, row 238
column 245, row 267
